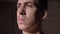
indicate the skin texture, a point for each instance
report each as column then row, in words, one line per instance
column 27, row 7
column 26, row 17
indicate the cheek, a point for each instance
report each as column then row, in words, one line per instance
column 30, row 13
column 18, row 15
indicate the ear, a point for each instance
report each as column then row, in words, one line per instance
column 45, row 15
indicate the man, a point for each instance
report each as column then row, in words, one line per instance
column 30, row 14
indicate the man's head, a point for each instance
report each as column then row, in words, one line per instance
column 29, row 12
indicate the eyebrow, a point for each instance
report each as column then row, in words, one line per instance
column 28, row 2
column 18, row 4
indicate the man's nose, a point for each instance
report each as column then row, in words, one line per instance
column 23, row 12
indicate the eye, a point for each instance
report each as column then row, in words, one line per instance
column 30, row 6
column 18, row 6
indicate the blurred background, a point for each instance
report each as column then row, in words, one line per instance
column 51, row 25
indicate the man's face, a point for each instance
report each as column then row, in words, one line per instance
column 25, row 13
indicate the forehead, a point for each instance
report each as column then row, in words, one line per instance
column 23, row 1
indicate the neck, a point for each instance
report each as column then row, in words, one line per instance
column 34, row 29
column 31, row 33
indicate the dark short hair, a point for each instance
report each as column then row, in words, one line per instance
column 41, row 6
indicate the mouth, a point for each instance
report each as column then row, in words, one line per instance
column 21, row 21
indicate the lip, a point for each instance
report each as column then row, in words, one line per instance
column 21, row 21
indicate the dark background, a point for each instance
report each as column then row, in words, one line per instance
column 51, row 24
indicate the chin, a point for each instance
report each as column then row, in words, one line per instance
column 22, row 27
